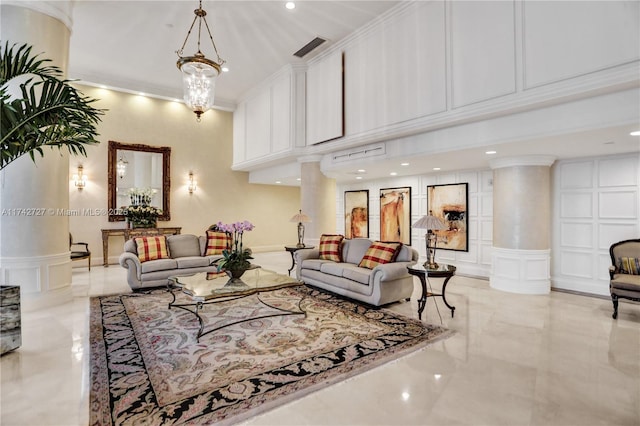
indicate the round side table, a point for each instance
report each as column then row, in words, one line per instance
column 442, row 271
column 292, row 250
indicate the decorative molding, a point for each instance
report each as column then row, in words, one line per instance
column 527, row 160
column 62, row 10
column 520, row 271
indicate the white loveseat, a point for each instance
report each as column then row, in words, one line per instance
column 187, row 258
column 383, row 284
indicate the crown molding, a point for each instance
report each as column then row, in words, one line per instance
column 62, row 10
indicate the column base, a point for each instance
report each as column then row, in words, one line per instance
column 521, row 271
column 43, row 280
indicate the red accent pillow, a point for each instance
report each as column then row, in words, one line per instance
column 380, row 253
column 152, row 248
column 331, row 247
column 216, row 242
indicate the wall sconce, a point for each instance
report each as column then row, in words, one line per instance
column 79, row 179
column 193, row 184
column 121, row 167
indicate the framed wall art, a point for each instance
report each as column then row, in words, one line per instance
column 395, row 214
column 356, row 214
column 449, row 203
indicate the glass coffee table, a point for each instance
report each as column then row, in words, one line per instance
column 206, row 288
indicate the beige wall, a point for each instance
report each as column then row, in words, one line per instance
column 204, row 148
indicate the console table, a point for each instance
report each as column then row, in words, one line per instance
column 128, row 234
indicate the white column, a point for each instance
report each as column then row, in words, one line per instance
column 34, row 234
column 521, row 258
column 318, row 198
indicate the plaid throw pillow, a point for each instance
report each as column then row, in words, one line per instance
column 330, row 247
column 152, row 248
column 630, row 265
column 379, row 253
column 216, row 242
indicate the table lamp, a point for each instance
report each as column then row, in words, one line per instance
column 300, row 218
column 430, row 223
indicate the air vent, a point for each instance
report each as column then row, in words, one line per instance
column 309, row 47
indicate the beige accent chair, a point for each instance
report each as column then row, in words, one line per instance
column 622, row 285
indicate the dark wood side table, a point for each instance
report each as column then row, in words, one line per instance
column 129, row 233
column 292, row 250
column 443, row 271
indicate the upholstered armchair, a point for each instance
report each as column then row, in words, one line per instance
column 624, row 272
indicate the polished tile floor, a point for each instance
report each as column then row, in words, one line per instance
column 515, row 360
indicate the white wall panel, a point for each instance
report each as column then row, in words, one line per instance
column 576, row 205
column 569, row 35
column 486, row 231
column 258, row 122
column 576, row 175
column 397, row 72
column 324, row 103
column 576, row 264
column 609, row 233
column 239, row 136
column 618, row 205
column 619, row 171
column 576, row 235
column 281, row 114
column 483, row 60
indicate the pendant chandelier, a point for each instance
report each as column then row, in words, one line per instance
column 198, row 72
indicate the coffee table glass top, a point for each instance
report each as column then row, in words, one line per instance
column 206, row 285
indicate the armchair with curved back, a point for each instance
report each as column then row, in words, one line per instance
column 79, row 254
column 624, row 272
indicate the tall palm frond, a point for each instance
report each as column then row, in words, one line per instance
column 49, row 112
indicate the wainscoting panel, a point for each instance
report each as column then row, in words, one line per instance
column 281, row 114
column 595, row 204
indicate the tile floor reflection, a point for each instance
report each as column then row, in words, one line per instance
column 515, row 360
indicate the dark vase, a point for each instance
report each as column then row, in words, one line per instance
column 236, row 273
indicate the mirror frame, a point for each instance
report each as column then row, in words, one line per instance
column 113, row 178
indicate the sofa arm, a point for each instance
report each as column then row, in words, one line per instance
column 131, row 262
column 390, row 271
column 304, row 254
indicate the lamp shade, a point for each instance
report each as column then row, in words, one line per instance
column 300, row 218
column 429, row 222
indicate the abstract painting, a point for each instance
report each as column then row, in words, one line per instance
column 395, row 214
column 356, row 214
column 449, row 203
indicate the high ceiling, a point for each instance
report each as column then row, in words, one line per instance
column 132, row 44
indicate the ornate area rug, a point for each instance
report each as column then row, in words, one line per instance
column 147, row 367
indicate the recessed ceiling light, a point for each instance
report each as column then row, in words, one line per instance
column 361, row 170
column 490, row 152
column 141, row 94
column 102, row 86
column 635, row 133
column 358, row 177
column 404, row 164
column 393, row 174
column 406, row 396
column 290, row 5
column 225, row 69
column 299, row 179
column 436, row 168
column 278, row 181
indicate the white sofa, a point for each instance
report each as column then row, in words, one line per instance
column 187, row 258
column 383, row 284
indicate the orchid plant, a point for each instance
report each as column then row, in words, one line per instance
column 235, row 256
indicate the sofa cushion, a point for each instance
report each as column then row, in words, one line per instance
column 354, row 249
column 380, row 253
column 630, row 265
column 192, row 262
column 330, row 247
column 355, row 273
column 314, row 264
column 159, row 265
column 152, row 248
column 217, row 241
column 183, row 245
column 332, row 268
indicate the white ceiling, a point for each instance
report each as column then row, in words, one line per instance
column 132, row 45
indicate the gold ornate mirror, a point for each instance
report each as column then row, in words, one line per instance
column 138, row 171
